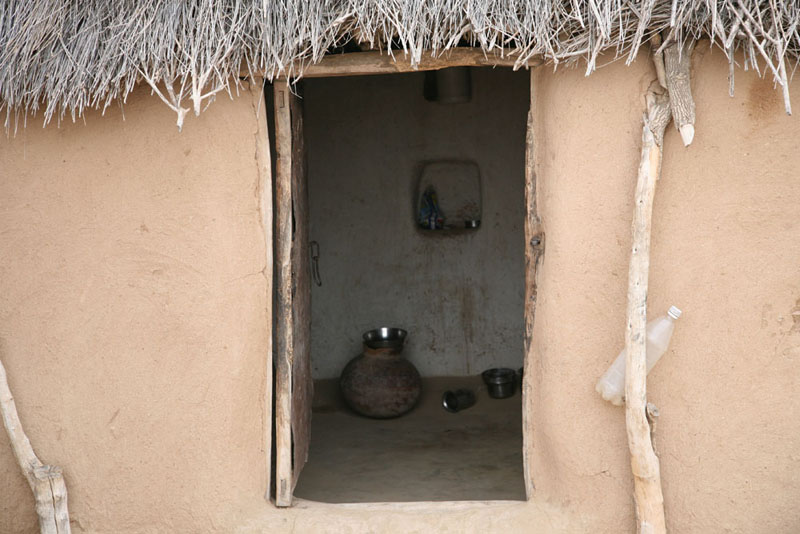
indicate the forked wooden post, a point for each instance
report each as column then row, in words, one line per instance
column 673, row 70
column 644, row 462
column 46, row 481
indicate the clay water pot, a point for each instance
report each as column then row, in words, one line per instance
column 381, row 383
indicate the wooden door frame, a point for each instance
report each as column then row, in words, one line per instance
column 376, row 63
column 283, row 282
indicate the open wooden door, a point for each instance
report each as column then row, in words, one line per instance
column 293, row 385
column 534, row 255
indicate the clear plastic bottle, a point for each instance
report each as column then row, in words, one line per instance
column 612, row 384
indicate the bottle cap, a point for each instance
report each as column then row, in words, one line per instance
column 674, row 312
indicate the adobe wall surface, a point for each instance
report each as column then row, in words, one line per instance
column 133, row 326
column 725, row 249
column 133, row 312
column 133, row 317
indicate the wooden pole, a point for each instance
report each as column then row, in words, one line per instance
column 673, row 71
column 644, row 462
column 46, row 481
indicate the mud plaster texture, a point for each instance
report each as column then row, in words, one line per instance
column 134, row 329
column 428, row 454
column 460, row 296
column 725, row 249
column 132, row 316
column 133, row 322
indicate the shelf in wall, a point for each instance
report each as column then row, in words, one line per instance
column 457, row 188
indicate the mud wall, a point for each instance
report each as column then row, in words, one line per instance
column 133, row 317
column 725, row 249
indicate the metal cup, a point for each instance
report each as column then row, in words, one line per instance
column 460, row 399
column 501, row 382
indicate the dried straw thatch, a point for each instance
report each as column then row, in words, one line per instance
column 68, row 55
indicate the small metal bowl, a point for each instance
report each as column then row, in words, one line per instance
column 385, row 338
column 501, row 382
column 460, row 399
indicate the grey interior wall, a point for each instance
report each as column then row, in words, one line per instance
column 461, row 296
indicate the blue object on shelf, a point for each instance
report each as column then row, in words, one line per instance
column 430, row 216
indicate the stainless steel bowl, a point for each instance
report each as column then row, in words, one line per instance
column 385, row 338
column 460, row 399
column 501, row 382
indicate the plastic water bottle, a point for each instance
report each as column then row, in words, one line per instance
column 612, row 384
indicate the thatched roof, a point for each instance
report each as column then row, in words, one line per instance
column 66, row 56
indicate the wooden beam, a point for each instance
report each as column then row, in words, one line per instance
column 534, row 254
column 644, row 462
column 367, row 63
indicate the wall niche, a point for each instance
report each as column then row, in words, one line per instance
column 448, row 197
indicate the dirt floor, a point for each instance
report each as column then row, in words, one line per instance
column 426, row 455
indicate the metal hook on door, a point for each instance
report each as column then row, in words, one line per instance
column 314, row 246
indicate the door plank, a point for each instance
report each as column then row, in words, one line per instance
column 302, row 385
column 293, row 386
column 534, row 255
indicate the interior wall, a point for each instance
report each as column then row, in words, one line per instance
column 725, row 249
column 460, row 297
column 133, row 315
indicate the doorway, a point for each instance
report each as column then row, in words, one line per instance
column 371, row 142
